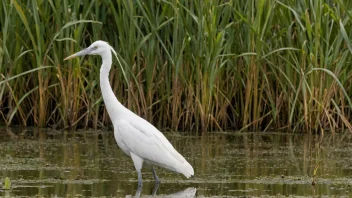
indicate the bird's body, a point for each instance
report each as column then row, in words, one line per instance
column 134, row 135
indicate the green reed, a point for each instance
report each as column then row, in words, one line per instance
column 183, row 65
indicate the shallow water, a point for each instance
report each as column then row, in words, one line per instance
column 89, row 163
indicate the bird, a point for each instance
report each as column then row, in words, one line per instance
column 135, row 136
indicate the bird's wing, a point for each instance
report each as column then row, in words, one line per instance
column 144, row 126
column 144, row 140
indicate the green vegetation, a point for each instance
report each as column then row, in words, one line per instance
column 190, row 65
column 7, row 183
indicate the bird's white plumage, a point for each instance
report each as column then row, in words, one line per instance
column 135, row 136
column 145, row 141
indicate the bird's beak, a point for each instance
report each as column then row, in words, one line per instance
column 80, row 53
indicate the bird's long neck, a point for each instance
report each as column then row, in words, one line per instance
column 113, row 106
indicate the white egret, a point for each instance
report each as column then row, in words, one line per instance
column 135, row 136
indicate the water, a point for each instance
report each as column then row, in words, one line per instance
column 89, row 163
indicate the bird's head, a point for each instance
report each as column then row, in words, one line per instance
column 101, row 48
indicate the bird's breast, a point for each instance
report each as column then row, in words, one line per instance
column 119, row 141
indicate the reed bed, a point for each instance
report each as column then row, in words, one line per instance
column 193, row 66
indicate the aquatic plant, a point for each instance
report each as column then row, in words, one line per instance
column 190, row 65
column 7, row 183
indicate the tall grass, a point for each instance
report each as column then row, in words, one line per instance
column 189, row 65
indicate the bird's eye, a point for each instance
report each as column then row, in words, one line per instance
column 96, row 47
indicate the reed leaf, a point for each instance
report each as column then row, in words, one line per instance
column 182, row 65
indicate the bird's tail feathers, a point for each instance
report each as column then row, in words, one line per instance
column 186, row 169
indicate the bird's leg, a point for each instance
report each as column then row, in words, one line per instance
column 138, row 192
column 155, row 189
column 157, row 181
column 138, row 164
column 140, row 182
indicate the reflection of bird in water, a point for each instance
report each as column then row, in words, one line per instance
column 134, row 135
column 186, row 193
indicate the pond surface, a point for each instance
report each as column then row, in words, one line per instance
column 89, row 163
